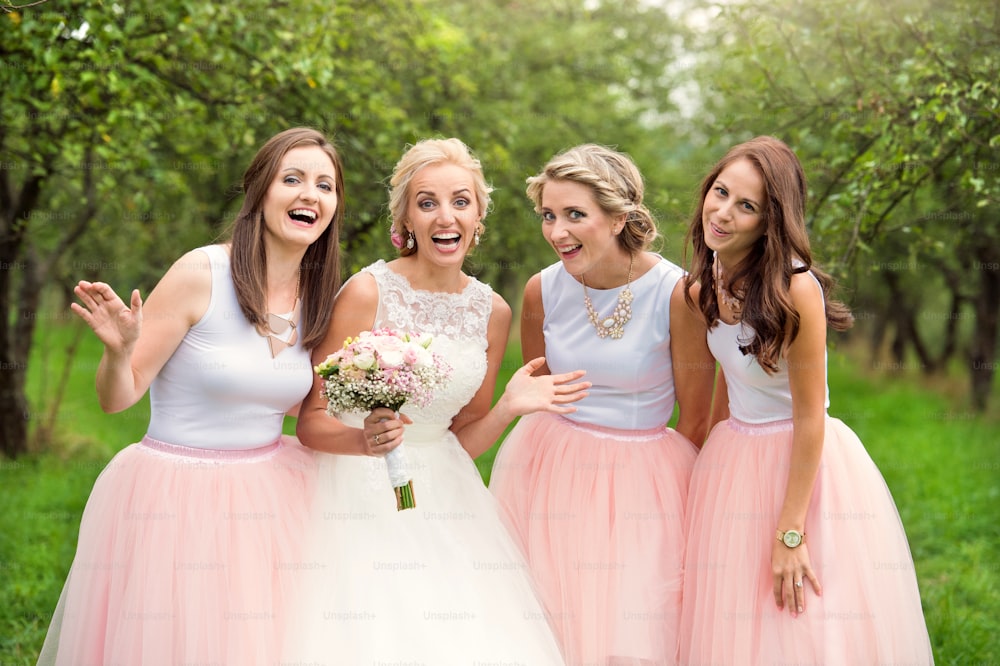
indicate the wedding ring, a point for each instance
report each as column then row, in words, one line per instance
column 798, row 583
column 376, row 440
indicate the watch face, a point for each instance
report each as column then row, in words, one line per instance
column 792, row 538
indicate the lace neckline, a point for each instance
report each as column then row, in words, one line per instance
column 402, row 281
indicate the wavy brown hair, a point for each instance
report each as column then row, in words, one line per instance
column 766, row 272
column 320, row 269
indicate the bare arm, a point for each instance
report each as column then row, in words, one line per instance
column 478, row 426
column 353, row 312
column 140, row 338
column 532, row 319
column 694, row 366
column 807, row 377
column 720, row 401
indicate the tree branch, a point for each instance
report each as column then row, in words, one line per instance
column 12, row 8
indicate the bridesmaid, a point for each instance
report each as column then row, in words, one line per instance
column 190, row 537
column 597, row 497
column 795, row 553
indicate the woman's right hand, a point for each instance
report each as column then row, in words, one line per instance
column 115, row 324
column 383, row 431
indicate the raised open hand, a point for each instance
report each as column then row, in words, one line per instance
column 115, row 324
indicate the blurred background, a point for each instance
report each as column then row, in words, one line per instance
column 125, row 128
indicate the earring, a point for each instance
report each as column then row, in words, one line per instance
column 475, row 237
column 411, row 240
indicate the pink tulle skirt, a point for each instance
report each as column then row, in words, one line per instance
column 185, row 556
column 599, row 512
column 870, row 609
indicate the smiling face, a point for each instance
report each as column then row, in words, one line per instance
column 581, row 233
column 301, row 200
column 442, row 212
column 732, row 214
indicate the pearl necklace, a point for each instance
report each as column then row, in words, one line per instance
column 612, row 326
column 732, row 301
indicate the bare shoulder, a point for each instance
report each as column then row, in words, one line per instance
column 534, row 284
column 805, row 292
column 185, row 289
column 361, row 291
column 192, row 268
column 501, row 309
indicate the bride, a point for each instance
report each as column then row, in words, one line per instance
column 442, row 583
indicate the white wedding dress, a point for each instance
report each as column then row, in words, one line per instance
column 441, row 584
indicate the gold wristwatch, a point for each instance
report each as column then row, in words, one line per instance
column 791, row 538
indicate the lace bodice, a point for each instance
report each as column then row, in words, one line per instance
column 458, row 323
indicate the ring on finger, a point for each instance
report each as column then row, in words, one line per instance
column 376, row 440
column 798, row 583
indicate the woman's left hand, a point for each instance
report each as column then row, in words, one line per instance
column 549, row 393
column 791, row 570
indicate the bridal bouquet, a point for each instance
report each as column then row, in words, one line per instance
column 384, row 368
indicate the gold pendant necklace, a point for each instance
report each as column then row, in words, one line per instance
column 732, row 301
column 612, row 326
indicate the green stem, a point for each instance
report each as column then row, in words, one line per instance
column 404, row 497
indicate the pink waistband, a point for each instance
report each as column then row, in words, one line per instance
column 765, row 428
column 214, row 455
column 615, row 433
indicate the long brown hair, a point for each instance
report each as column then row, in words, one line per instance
column 766, row 272
column 320, row 269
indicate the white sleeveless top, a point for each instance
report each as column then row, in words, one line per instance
column 221, row 389
column 754, row 395
column 633, row 380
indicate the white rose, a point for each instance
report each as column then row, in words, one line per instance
column 391, row 358
column 422, row 357
column 364, row 360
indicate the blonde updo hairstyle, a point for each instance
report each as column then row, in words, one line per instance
column 616, row 183
column 431, row 152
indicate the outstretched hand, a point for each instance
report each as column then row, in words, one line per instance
column 526, row 394
column 115, row 324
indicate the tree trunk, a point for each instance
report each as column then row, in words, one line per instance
column 14, row 412
column 984, row 340
column 15, row 210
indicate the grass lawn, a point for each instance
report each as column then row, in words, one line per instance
column 941, row 462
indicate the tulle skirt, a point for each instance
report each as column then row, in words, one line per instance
column 185, row 556
column 869, row 612
column 600, row 514
column 442, row 584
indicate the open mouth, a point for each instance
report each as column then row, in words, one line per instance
column 568, row 249
column 447, row 240
column 303, row 215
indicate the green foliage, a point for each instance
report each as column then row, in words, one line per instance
column 940, row 461
column 894, row 109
